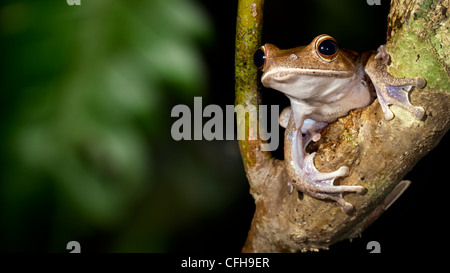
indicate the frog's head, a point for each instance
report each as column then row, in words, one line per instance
column 320, row 63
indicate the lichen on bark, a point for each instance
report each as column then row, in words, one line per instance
column 420, row 36
column 248, row 39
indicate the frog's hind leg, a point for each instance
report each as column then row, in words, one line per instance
column 303, row 174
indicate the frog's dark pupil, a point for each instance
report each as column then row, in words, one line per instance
column 259, row 58
column 328, row 47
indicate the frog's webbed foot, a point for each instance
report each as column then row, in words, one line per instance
column 390, row 90
column 303, row 174
column 396, row 93
column 321, row 185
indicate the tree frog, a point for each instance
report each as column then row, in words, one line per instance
column 324, row 82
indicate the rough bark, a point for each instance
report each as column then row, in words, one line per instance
column 379, row 153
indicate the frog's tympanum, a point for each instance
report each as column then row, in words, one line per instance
column 324, row 82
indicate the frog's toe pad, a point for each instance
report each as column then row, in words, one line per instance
column 421, row 82
column 419, row 112
column 347, row 208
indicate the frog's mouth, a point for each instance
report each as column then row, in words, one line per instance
column 281, row 74
column 305, row 78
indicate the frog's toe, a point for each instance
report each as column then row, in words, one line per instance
column 290, row 187
column 419, row 112
column 421, row 82
column 347, row 208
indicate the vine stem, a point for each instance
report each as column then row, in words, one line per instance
column 248, row 40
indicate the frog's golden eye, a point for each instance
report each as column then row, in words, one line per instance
column 327, row 48
column 260, row 58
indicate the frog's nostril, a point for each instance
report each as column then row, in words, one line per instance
column 259, row 58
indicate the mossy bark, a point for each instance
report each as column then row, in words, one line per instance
column 248, row 40
column 379, row 153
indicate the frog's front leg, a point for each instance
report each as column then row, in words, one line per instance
column 390, row 90
column 303, row 174
column 310, row 129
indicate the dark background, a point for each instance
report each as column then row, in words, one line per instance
column 87, row 153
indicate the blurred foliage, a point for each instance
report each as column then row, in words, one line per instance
column 86, row 93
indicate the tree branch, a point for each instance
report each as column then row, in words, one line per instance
column 418, row 43
column 248, row 40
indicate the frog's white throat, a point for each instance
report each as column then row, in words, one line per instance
column 323, row 98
